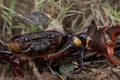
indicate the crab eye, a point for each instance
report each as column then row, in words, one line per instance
column 26, row 39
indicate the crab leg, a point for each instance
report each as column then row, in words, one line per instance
column 61, row 53
column 79, row 55
column 15, row 61
column 80, row 63
column 16, row 67
column 5, row 55
column 75, row 43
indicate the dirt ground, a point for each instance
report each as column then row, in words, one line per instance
column 97, row 69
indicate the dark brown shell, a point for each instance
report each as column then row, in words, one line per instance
column 36, row 44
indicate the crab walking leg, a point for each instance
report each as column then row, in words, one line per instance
column 16, row 67
column 66, row 51
column 75, row 43
column 79, row 55
column 7, row 56
column 80, row 63
column 61, row 53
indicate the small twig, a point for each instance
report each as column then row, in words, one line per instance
column 4, row 28
column 3, row 43
column 115, row 74
column 36, row 73
column 75, row 22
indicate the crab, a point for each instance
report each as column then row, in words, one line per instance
column 50, row 46
column 45, row 45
